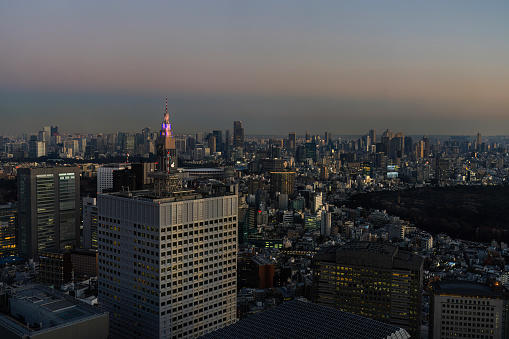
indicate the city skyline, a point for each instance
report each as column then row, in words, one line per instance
column 427, row 68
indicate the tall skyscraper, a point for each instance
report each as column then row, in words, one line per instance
column 218, row 135
column 90, row 223
column 167, row 258
column 328, row 138
column 375, row 280
column 478, row 142
column 442, row 169
column 372, row 136
column 292, row 141
column 238, row 134
column 49, row 219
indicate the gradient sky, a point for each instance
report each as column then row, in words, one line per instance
column 429, row 67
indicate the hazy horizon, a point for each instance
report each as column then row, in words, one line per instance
column 346, row 67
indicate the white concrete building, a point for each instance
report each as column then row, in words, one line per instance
column 105, row 175
column 90, row 223
column 167, row 266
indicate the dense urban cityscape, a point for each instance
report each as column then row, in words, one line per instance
column 254, row 169
column 156, row 234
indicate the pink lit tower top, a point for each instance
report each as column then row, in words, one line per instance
column 166, row 152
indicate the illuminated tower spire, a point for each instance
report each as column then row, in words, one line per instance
column 166, row 126
column 166, row 150
column 166, row 182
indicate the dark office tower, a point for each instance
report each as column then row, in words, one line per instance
column 409, row 147
column 36, row 148
column 212, row 145
column 54, row 130
column 282, row 182
column 292, row 141
column 300, row 154
column 111, row 143
column 328, row 138
column 238, row 134
column 218, row 135
column 442, row 169
column 478, row 141
column 375, row 280
column 165, row 146
column 227, row 142
column 372, row 136
column 121, row 141
column 396, row 146
column 49, row 218
column 311, row 151
column 308, row 136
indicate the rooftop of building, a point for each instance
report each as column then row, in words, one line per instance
column 299, row 319
column 463, row 288
column 370, row 254
column 260, row 260
column 40, row 304
column 371, row 247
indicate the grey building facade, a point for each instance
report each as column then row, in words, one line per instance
column 48, row 209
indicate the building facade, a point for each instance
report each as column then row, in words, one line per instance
column 48, row 209
column 105, row 175
column 90, row 223
column 466, row 309
column 238, row 134
column 167, row 266
column 8, row 230
column 373, row 280
column 282, row 182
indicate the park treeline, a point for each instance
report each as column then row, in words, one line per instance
column 479, row 213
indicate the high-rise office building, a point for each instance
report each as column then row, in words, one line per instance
column 212, row 144
column 442, row 169
column 218, row 135
column 328, row 138
column 282, row 182
column 238, row 134
column 292, row 141
column 105, row 175
column 49, row 218
column 372, row 136
column 167, row 257
column 36, row 148
column 466, row 309
column 375, row 280
column 90, row 223
column 167, row 265
column 478, row 142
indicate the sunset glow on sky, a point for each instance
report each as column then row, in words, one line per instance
column 434, row 67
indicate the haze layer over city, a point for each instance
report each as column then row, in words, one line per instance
column 423, row 68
